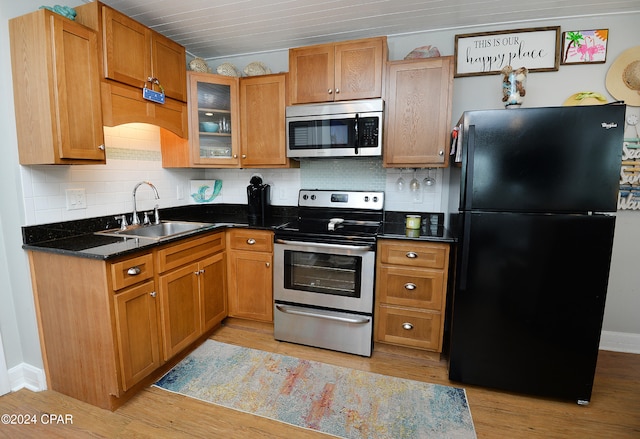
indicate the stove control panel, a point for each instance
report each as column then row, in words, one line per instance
column 341, row 199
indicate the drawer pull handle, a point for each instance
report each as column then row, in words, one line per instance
column 134, row 271
column 412, row 255
column 251, row 241
column 408, row 326
column 410, row 286
column 153, row 294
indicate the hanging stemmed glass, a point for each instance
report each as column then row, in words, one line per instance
column 400, row 183
column 414, row 184
column 429, row 180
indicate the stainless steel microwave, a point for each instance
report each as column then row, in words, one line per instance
column 335, row 129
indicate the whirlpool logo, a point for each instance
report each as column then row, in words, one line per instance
column 608, row 126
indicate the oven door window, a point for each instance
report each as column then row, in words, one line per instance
column 324, row 273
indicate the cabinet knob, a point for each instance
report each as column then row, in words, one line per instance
column 329, row 91
column 412, row 255
column 244, row 156
column 410, row 286
column 251, row 241
column 441, row 152
column 153, row 294
column 407, row 326
column 101, row 147
column 134, row 271
column 337, row 90
column 268, row 264
column 235, row 156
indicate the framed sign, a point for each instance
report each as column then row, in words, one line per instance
column 585, row 46
column 537, row 49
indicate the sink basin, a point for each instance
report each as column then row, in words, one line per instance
column 164, row 230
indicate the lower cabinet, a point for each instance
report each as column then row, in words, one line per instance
column 250, row 274
column 191, row 293
column 411, row 288
column 105, row 327
column 138, row 340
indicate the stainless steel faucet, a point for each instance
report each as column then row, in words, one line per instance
column 135, row 220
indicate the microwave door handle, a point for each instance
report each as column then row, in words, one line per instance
column 357, row 140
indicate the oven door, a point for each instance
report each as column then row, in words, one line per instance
column 335, row 276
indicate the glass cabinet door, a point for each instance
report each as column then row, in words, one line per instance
column 214, row 121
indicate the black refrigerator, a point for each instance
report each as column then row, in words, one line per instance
column 537, row 192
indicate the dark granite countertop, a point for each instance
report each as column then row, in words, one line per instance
column 78, row 238
column 431, row 228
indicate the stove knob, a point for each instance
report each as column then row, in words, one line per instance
column 375, row 199
column 305, row 197
column 313, row 197
column 366, row 198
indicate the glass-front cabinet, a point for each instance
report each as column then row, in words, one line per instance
column 214, row 124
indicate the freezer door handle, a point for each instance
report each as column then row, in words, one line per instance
column 467, row 188
column 318, row 314
column 464, row 254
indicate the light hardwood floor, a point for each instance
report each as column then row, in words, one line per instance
column 614, row 411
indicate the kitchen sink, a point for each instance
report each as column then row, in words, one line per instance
column 164, row 230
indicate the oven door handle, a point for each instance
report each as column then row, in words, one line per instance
column 362, row 248
column 302, row 312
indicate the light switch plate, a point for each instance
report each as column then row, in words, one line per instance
column 76, row 199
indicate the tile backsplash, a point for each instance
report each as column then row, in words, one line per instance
column 133, row 155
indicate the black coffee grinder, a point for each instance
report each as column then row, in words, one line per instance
column 258, row 196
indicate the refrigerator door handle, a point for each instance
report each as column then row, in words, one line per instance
column 469, row 165
column 464, row 254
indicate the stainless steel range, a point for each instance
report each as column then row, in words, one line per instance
column 324, row 266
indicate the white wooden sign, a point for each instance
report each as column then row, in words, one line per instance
column 537, row 49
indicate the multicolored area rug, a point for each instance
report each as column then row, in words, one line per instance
column 335, row 400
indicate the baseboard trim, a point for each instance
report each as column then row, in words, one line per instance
column 620, row 342
column 25, row 376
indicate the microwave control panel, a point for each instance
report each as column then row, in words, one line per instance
column 368, row 127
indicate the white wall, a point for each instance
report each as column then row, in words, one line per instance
column 34, row 195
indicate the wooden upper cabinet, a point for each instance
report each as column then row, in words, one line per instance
column 127, row 49
column 337, row 71
column 358, row 68
column 418, row 113
column 262, row 116
column 130, row 54
column 56, row 90
column 249, row 114
column 168, row 64
column 134, row 53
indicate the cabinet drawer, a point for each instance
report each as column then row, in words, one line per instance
column 131, row 271
column 184, row 252
column 421, row 288
column 414, row 254
column 251, row 239
column 409, row 327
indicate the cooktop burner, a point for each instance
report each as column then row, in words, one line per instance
column 348, row 215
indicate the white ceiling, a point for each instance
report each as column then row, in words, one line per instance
column 220, row 28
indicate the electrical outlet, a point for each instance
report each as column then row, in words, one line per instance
column 76, row 199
